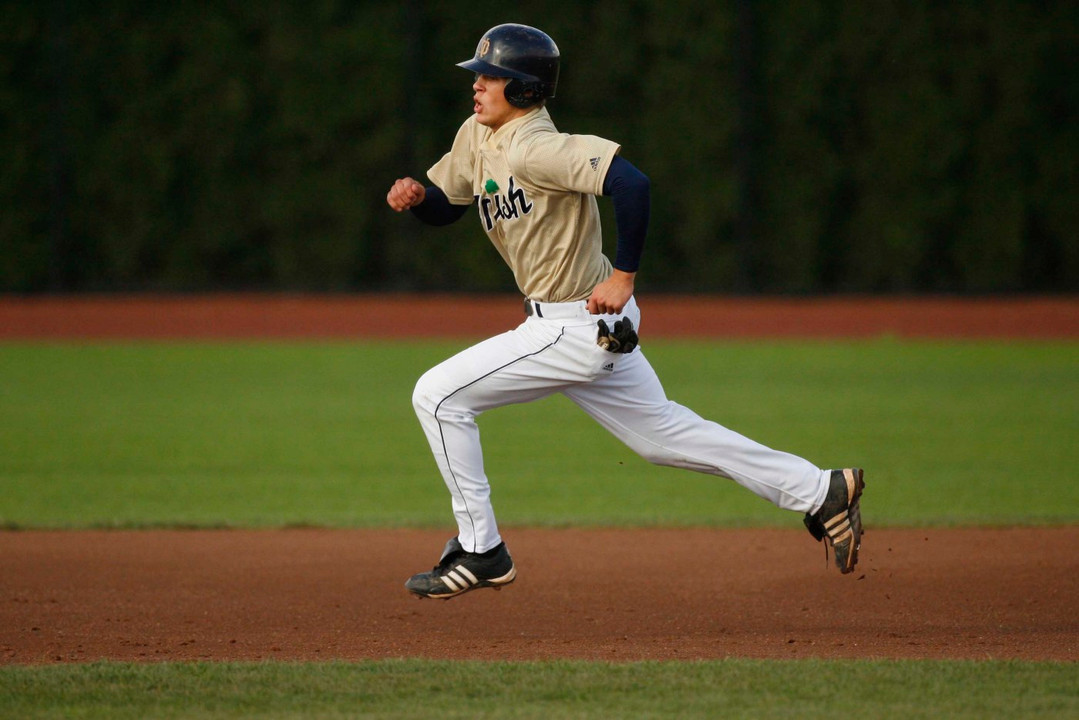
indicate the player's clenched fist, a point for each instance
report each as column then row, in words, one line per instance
column 405, row 193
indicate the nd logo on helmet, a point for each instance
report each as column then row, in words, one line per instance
column 485, row 46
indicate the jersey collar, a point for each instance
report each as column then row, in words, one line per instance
column 504, row 133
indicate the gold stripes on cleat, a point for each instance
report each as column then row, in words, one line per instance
column 459, row 579
column 838, row 526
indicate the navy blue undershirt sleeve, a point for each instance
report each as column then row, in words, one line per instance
column 630, row 192
column 436, row 209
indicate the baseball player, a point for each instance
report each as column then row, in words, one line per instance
column 534, row 190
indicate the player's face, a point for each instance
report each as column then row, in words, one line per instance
column 491, row 107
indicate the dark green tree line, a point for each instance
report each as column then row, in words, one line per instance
column 793, row 146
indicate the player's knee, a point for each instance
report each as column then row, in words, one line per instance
column 437, row 397
column 422, row 400
column 657, row 455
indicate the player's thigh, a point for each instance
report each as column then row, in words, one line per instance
column 632, row 396
column 632, row 406
column 513, row 367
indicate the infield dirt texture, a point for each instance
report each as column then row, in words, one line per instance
column 613, row 594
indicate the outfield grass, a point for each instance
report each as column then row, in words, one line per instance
column 268, row 434
column 904, row 690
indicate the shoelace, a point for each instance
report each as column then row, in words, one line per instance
column 445, row 564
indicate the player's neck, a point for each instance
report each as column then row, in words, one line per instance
column 510, row 118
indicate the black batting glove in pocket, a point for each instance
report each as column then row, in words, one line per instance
column 622, row 339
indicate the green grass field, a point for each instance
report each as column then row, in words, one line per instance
column 324, row 434
column 270, row 434
column 904, row 690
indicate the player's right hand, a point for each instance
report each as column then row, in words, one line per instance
column 405, row 193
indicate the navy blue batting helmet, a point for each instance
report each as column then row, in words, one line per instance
column 522, row 53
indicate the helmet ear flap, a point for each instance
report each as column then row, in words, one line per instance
column 523, row 94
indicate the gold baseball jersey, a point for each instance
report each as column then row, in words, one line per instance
column 535, row 190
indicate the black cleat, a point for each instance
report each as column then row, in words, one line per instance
column 840, row 518
column 458, row 572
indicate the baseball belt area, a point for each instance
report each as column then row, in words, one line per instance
column 557, row 311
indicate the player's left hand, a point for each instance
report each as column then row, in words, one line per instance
column 611, row 295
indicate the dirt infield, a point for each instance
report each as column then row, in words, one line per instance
column 582, row 593
column 276, row 316
column 594, row 594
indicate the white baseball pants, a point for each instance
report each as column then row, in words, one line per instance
column 554, row 351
